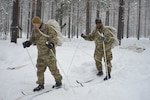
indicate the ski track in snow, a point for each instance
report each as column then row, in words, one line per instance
column 130, row 72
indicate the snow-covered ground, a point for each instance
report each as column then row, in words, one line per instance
column 130, row 72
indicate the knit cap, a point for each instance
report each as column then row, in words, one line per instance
column 36, row 20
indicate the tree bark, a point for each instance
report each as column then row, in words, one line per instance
column 121, row 20
column 128, row 19
column 38, row 8
column 15, row 21
column 139, row 20
column 88, row 17
column 98, row 9
column 107, row 18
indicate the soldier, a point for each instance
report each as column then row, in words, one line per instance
column 99, row 35
column 46, row 52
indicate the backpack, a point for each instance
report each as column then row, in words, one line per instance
column 54, row 24
column 113, row 31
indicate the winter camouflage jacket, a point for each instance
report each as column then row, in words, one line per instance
column 94, row 36
column 40, row 40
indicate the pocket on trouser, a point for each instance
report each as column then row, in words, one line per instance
column 109, row 55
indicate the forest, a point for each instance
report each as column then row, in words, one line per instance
column 76, row 59
column 129, row 17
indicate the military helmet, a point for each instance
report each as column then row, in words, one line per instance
column 98, row 20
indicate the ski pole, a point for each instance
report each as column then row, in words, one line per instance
column 30, row 59
column 62, row 70
column 73, row 57
column 104, row 49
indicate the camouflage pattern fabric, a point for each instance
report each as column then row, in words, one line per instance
column 99, row 51
column 45, row 56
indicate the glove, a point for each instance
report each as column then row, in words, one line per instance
column 26, row 44
column 103, row 38
column 50, row 45
column 83, row 36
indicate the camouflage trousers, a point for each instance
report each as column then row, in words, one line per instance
column 98, row 59
column 42, row 64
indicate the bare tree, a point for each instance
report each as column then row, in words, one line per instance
column 88, row 17
column 121, row 20
column 128, row 19
column 29, row 18
column 139, row 20
column 107, row 12
column 38, row 8
column 78, row 11
column 98, row 9
column 69, row 22
column 15, row 22
column 79, row 15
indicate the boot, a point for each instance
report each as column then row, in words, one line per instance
column 38, row 88
column 57, row 85
column 100, row 73
column 106, row 78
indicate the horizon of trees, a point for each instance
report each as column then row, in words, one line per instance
column 129, row 17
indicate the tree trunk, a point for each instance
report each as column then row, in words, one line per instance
column 69, row 23
column 98, row 9
column 128, row 19
column 78, row 12
column 52, row 11
column 148, row 25
column 49, row 10
column 121, row 20
column 88, row 17
column 107, row 18
column 29, row 19
column 15, row 21
column 114, row 18
column 61, row 15
column 38, row 8
column 139, row 20
column 73, row 26
column 33, row 10
column 20, row 25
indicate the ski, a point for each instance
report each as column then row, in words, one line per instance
column 45, row 92
column 47, row 89
column 30, row 94
column 81, row 83
column 17, row 67
column 88, row 81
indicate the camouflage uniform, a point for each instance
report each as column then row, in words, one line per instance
column 99, row 51
column 45, row 56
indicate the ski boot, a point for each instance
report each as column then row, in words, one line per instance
column 106, row 78
column 100, row 73
column 38, row 88
column 57, row 85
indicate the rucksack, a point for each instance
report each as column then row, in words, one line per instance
column 55, row 25
column 113, row 31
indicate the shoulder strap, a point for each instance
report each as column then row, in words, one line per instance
column 102, row 35
column 45, row 35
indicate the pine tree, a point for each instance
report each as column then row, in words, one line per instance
column 15, row 22
column 121, row 20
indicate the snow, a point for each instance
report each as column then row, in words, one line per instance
column 130, row 72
